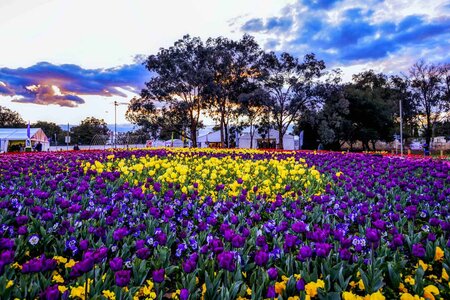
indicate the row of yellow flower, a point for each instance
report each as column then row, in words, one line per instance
column 193, row 171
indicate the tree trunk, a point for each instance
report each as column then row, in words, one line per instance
column 280, row 139
column 251, row 136
column 428, row 131
column 227, row 139
column 194, row 136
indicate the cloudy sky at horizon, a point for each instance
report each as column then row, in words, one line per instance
column 63, row 61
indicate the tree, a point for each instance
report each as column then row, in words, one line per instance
column 326, row 123
column 332, row 120
column 253, row 107
column 180, row 78
column 289, row 83
column 9, row 118
column 160, row 122
column 372, row 109
column 401, row 92
column 89, row 127
column 429, row 84
column 51, row 130
column 234, row 64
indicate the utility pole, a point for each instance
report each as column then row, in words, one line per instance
column 401, row 128
column 115, row 123
column 68, row 136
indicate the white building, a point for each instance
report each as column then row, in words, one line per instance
column 209, row 140
column 270, row 141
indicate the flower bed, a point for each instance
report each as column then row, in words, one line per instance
column 185, row 224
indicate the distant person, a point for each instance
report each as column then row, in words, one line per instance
column 426, row 149
column 76, row 147
column 38, row 147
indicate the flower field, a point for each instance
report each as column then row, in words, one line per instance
column 223, row 224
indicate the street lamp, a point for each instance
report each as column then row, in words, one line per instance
column 115, row 120
column 401, row 128
column 115, row 123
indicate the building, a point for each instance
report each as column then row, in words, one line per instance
column 209, row 140
column 267, row 141
column 270, row 141
column 14, row 139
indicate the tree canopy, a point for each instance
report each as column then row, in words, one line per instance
column 181, row 76
column 88, row 128
column 289, row 84
column 9, row 118
column 237, row 84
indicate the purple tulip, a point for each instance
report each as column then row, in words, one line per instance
column 289, row 242
column 6, row 243
column 226, row 261
column 273, row 273
column 323, row 249
column 120, row 233
column 21, row 220
column 345, row 254
column 300, row 285
column 299, row 227
column 304, row 253
column 372, row 235
column 83, row 266
column 271, row 292
column 189, row 266
column 100, row 254
column 184, row 294
column 143, row 253
column 116, row 264
column 157, row 187
column 7, row 256
column 161, row 237
column 238, row 241
column 140, row 244
column 84, row 244
column 122, row 278
column 51, row 293
column 261, row 258
column 158, row 275
column 217, row 246
column 418, row 250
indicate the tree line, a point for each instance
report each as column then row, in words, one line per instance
column 80, row 134
column 237, row 84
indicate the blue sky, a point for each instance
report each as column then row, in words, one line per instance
column 62, row 61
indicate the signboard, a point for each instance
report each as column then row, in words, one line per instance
column 67, row 140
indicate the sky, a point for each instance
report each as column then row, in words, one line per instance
column 65, row 60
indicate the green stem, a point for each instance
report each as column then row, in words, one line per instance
column 371, row 267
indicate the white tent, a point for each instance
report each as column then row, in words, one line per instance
column 270, row 140
column 211, row 139
column 17, row 137
column 176, row 143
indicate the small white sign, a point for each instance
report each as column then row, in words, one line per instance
column 67, row 140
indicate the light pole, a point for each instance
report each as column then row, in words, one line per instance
column 115, row 123
column 116, row 103
column 401, row 128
